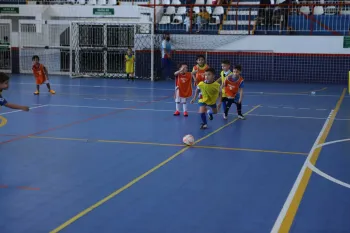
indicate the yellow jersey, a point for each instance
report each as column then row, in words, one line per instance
column 209, row 92
column 223, row 78
column 129, row 64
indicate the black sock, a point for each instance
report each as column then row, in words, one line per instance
column 239, row 108
column 127, row 76
column 37, row 87
column 48, row 86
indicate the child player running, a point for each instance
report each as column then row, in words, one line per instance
column 198, row 71
column 41, row 75
column 129, row 65
column 208, row 92
column 233, row 83
column 4, row 84
column 183, row 88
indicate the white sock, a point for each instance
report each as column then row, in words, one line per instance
column 184, row 107
column 177, row 107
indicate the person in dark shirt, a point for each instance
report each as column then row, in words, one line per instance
column 4, row 84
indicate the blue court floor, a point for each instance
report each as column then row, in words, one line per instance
column 107, row 156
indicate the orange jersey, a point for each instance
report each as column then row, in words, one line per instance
column 184, row 83
column 39, row 74
column 200, row 75
column 232, row 86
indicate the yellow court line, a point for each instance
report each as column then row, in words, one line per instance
column 172, row 145
column 115, row 193
column 3, row 121
column 296, row 199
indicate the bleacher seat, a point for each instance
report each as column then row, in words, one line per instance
column 101, row 2
column 165, row 19
column 199, row 2
column 170, row 10
column 318, row 10
column 305, row 10
column 219, row 10
column 181, row 10
column 177, row 20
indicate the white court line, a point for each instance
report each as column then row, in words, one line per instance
column 171, row 89
column 292, row 192
column 326, row 176
column 5, row 113
column 171, row 110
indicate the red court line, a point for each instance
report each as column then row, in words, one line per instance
column 83, row 121
column 3, row 186
column 28, row 188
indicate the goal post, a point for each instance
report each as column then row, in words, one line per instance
column 98, row 49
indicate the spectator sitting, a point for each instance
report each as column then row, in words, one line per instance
column 202, row 18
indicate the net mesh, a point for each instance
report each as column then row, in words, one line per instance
column 5, row 48
column 257, row 65
column 47, row 39
column 98, row 49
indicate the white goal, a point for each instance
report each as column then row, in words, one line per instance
column 98, row 49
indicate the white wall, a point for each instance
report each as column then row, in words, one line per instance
column 72, row 11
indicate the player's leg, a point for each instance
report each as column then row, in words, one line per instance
column 132, row 76
column 177, row 102
column 203, row 113
column 213, row 110
column 228, row 106
column 128, row 76
column 37, row 89
column 239, row 111
column 224, row 105
column 47, row 82
column 184, row 106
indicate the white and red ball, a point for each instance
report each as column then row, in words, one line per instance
column 188, row 140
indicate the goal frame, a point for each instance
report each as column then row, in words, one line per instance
column 73, row 42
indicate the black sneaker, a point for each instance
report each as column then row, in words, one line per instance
column 240, row 116
column 204, row 126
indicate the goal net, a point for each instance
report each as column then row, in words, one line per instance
column 98, row 49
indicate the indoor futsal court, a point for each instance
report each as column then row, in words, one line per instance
column 107, row 156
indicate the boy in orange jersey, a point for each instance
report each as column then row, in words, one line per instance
column 41, row 75
column 233, row 87
column 183, row 88
column 198, row 71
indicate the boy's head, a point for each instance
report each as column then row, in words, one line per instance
column 4, row 81
column 200, row 60
column 237, row 70
column 129, row 51
column 35, row 59
column 210, row 75
column 225, row 65
column 184, row 67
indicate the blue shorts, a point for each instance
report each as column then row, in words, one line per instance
column 205, row 105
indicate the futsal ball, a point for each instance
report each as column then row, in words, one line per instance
column 188, row 140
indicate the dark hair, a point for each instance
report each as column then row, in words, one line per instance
column 4, row 77
column 226, row 62
column 211, row 70
column 35, row 57
column 183, row 64
column 238, row 67
column 200, row 56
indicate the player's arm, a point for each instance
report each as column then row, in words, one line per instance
column 219, row 100
column 46, row 73
column 16, row 106
column 241, row 86
column 195, row 95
